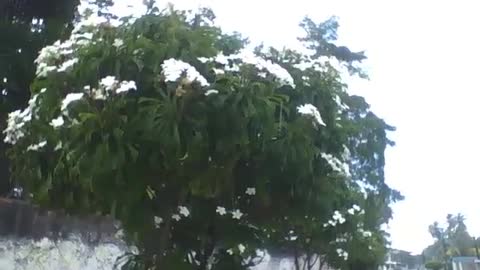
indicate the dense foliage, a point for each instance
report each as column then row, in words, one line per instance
column 207, row 152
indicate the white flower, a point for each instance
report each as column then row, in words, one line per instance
column 341, row 240
column 241, row 248
column 211, row 92
column 221, row 210
column 218, row 71
column 248, row 57
column 70, row 98
column 310, row 110
column 4, row 92
column 250, row 191
column 176, row 217
column 342, row 253
column 15, row 122
column 58, row 146
column 230, row 251
column 125, row 86
column 36, row 147
column 157, row 220
column 43, row 70
column 204, row 59
column 98, row 94
column 57, row 122
column 5, row 80
column 367, row 234
column 336, row 164
column 340, row 104
column 237, row 214
column 356, row 207
column 331, row 222
column 341, row 220
column 351, row 211
column 173, row 69
column 221, row 59
column 117, row 42
column 108, row 82
column 67, row 65
column 336, row 215
column 184, row 211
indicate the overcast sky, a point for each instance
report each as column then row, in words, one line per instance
column 423, row 64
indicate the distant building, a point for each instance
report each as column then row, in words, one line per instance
column 465, row 263
column 402, row 260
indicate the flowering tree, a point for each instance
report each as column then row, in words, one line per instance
column 207, row 152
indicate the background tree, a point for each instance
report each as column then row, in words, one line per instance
column 205, row 151
column 451, row 240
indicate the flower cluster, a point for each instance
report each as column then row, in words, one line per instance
column 182, row 211
column 342, row 106
column 241, row 249
column 108, row 86
column 365, row 233
column 59, row 57
column 248, row 57
column 342, row 254
column 174, row 69
column 36, row 147
column 336, row 164
column 17, row 120
column 355, row 208
column 157, row 221
column 322, row 64
column 337, row 218
column 311, row 111
column 236, row 214
column 250, row 191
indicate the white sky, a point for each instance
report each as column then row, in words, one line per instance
column 423, row 64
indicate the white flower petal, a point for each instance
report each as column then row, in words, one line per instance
column 70, row 98
column 173, row 69
column 310, row 110
column 250, row 191
column 211, row 92
column 57, row 122
column 118, row 43
column 221, row 210
column 157, row 220
column 183, row 211
column 237, row 214
column 241, row 248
